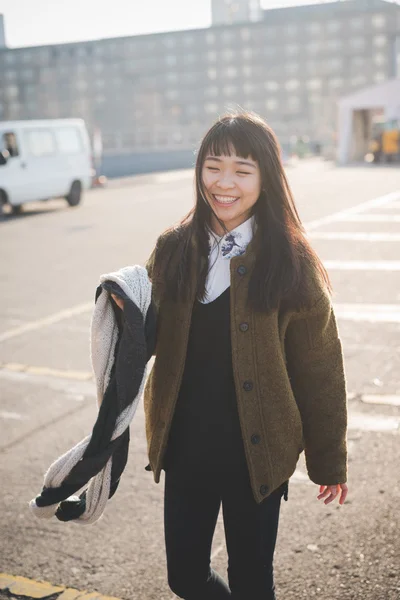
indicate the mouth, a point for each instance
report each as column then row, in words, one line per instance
column 225, row 200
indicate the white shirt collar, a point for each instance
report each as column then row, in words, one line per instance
column 233, row 243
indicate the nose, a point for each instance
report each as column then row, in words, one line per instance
column 225, row 182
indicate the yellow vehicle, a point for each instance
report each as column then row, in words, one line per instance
column 385, row 141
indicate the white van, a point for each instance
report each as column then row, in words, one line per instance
column 46, row 159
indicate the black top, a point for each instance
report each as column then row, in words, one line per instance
column 206, row 428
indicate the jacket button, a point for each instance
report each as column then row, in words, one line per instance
column 264, row 490
column 242, row 270
column 244, row 327
column 255, row 439
column 248, row 386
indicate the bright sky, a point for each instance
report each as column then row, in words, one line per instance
column 37, row 22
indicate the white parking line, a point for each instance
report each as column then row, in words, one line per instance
column 50, row 320
column 371, row 313
column 355, row 236
column 362, row 265
column 82, row 308
column 358, row 208
column 370, row 218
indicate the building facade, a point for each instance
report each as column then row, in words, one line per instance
column 155, row 95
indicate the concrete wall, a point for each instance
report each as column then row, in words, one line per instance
column 121, row 165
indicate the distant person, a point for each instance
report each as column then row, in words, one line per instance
column 248, row 369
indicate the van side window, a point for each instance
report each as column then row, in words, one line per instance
column 69, row 140
column 9, row 143
column 40, row 142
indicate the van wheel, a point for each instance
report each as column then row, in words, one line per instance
column 75, row 194
column 16, row 209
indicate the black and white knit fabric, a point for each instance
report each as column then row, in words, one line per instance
column 79, row 483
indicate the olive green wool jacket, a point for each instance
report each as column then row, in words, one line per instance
column 289, row 380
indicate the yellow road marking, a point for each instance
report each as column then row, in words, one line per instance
column 21, row 586
column 59, row 373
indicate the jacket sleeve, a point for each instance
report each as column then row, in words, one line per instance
column 316, row 370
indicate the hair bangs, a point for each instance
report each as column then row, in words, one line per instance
column 231, row 137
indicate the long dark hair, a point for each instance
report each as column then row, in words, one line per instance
column 281, row 248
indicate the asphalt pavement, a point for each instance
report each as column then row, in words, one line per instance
column 52, row 257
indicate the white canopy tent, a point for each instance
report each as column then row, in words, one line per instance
column 355, row 112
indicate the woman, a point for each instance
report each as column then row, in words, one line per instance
column 248, row 369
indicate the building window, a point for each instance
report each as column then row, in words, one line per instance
column 314, row 28
column 230, row 90
column 271, row 86
column 247, row 71
column 100, row 83
column 245, row 34
column 291, row 30
column 212, row 73
column 210, row 38
column 333, row 45
column 211, row 107
column 247, row 53
column 172, row 94
column 356, row 24
column 333, row 26
column 314, row 84
column 335, row 64
column 189, row 59
column 9, row 58
column 271, row 104
column 379, row 41
column 379, row 59
column 11, row 92
column 248, row 88
column 81, row 85
column 292, row 84
column 169, row 42
column 228, row 36
column 10, row 76
column 358, row 62
column 228, row 54
column 171, row 60
column 172, row 77
column 335, row 83
column 292, row 49
column 188, row 40
column 378, row 21
column 313, row 47
column 292, row 68
column 231, row 72
column 357, row 43
column 358, row 81
column 293, row 103
column 211, row 92
column 212, row 56
column 379, row 77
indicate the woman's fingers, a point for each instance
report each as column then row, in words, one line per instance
column 118, row 301
column 328, row 493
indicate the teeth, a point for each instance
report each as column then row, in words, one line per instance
column 225, row 199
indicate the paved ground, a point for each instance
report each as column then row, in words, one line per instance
column 52, row 258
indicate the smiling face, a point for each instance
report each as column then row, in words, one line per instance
column 232, row 185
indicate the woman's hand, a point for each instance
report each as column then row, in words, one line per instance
column 331, row 492
column 118, row 301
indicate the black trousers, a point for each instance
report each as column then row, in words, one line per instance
column 191, row 506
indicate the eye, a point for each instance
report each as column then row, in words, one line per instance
column 243, row 173
column 213, row 169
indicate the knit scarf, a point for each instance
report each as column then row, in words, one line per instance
column 79, row 483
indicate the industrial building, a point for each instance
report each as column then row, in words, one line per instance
column 153, row 96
